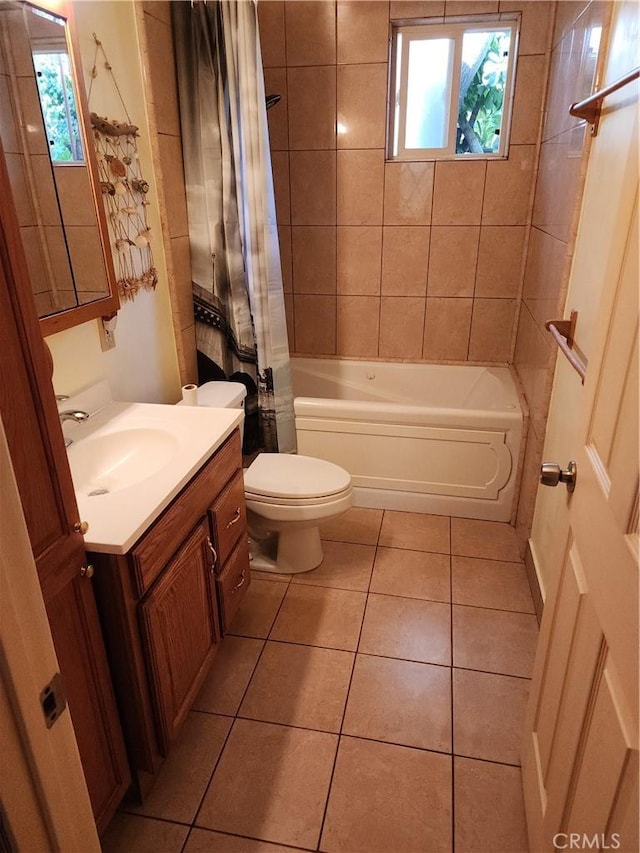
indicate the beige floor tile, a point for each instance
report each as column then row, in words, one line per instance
column 490, row 583
column 490, row 540
column 488, row 715
column 282, row 577
column 315, row 616
column 489, row 808
column 271, row 783
column 407, row 628
column 414, row 574
column 299, row 686
column 494, row 640
column 143, row 835
column 258, row 609
column 359, row 525
column 415, row 531
column 224, row 687
column 344, row 566
column 205, row 841
column 400, row 702
column 184, row 775
column 388, row 798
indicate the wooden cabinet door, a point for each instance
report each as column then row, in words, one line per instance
column 179, row 631
column 34, row 436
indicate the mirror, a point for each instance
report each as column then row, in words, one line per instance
column 52, row 167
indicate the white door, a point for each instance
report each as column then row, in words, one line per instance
column 580, row 754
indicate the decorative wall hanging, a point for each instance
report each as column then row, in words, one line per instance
column 124, row 191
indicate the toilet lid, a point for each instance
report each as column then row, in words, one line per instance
column 282, row 475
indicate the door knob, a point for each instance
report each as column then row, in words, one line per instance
column 551, row 474
column 86, row 572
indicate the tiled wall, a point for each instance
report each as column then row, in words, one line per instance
column 392, row 260
column 558, row 194
column 154, row 21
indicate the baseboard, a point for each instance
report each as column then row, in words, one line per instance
column 534, row 584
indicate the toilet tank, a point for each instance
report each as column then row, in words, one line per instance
column 222, row 395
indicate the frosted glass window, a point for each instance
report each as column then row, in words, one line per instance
column 451, row 88
column 428, row 93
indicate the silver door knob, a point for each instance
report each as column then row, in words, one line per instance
column 86, row 571
column 551, row 474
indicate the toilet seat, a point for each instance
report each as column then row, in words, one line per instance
column 284, row 479
column 280, row 501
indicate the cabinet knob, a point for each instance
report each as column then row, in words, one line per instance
column 81, row 527
column 234, row 520
column 86, row 571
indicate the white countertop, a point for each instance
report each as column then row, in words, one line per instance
column 171, row 443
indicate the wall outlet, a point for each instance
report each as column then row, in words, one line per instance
column 106, row 331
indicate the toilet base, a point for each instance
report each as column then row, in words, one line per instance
column 297, row 550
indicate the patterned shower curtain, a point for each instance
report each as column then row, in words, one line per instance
column 235, row 258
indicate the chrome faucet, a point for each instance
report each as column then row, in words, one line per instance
column 78, row 417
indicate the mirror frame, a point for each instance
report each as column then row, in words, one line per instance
column 70, row 317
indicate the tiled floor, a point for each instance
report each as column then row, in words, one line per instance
column 374, row 704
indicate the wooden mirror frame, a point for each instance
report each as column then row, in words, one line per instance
column 69, row 317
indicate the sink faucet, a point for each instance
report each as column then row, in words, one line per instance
column 78, row 417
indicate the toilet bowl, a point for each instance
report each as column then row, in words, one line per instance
column 287, row 498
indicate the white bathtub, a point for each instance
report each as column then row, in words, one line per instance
column 415, row 437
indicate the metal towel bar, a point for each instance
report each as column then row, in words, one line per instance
column 589, row 108
column 562, row 332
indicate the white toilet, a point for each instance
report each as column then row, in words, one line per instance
column 287, row 497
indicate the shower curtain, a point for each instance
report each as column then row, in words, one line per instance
column 237, row 280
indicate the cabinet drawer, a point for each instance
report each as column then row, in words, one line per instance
column 228, row 519
column 233, row 582
column 158, row 545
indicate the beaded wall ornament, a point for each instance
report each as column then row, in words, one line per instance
column 124, row 191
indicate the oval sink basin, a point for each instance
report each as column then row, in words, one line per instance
column 103, row 464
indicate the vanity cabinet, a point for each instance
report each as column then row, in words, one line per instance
column 166, row 603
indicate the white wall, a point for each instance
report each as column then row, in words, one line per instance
column 143, row 366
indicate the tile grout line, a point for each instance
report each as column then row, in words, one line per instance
column 427, row 550
column 383, row 657
column 346, row 701
column 336, row 189
column 453, row 779
column 231, row 727
column 298, row 727
column 395, row 595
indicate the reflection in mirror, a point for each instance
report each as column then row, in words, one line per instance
column 45, row 153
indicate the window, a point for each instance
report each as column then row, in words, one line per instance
column 57, row 100
column 451, row 89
